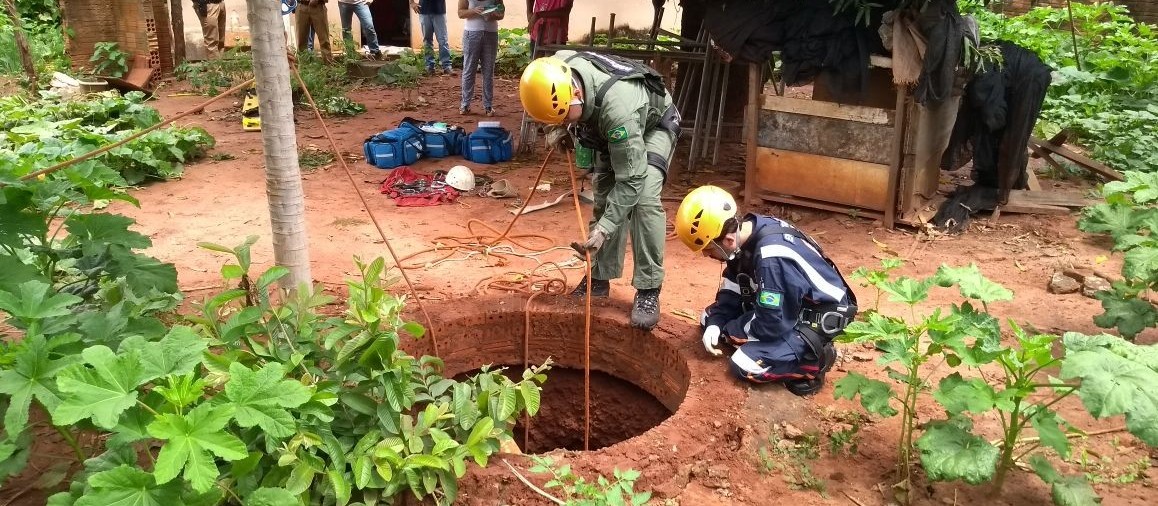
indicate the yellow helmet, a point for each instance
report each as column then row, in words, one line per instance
column 701, row 216
column 545, row 90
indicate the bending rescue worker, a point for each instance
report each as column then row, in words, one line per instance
column 621, row 109
column 781, row 301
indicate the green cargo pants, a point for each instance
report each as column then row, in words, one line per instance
column 648, row 220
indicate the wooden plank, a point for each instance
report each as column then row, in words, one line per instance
column 816, row 204
column 1031, row 180
column 1052, row 198
column 1080, row 159
column 1045, row 155
column 823, row 178
column 837, row 138
column 824, row 109
column 1016, row 204
column 898, row 158
column 751, row 131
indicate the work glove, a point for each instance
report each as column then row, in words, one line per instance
column 595, row 240
column 560, row 138
column 712, row 340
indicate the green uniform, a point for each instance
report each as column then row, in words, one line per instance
column 633, row 132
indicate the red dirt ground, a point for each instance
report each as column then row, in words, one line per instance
column 706, row 453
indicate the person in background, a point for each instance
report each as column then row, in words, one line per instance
column 432, row 15
column 212, row 16
column 347, row 9
column 312, row 14
column 480, row 44
column 547, row 21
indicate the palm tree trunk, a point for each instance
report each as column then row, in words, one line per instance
column 283, row 182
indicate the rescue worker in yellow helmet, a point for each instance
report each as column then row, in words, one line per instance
column 781, row 301
column 621, row 109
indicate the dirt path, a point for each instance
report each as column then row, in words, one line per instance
column 708, row 452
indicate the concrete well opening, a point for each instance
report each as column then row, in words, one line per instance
column 637, row 379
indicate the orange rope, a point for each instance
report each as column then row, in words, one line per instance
column 366, row 205
column 587, row 314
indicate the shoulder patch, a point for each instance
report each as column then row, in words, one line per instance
column 617, row 134
column 769, row 299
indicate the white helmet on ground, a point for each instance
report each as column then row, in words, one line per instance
column 460, row 178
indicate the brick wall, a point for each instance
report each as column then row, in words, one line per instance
column 140, row 28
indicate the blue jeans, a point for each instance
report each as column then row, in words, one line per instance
column 479, row 46
column 346, row 12
column 434, row 26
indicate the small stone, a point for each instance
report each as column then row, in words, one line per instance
column 791, row 432
column 1095, row 284
column 862, row 357
column 1062, row 284
column 717, row 424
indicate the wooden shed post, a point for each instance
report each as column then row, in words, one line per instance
column 751, row 129
column 176, row 18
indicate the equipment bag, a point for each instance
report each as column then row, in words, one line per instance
column 440, row 140
column 488, row 145
column 393, row 148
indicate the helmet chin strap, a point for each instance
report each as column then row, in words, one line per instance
column 728, row 257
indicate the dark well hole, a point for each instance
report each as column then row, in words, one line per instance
column 619, row 411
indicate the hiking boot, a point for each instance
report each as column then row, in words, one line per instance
column 599, row 288
column 808, row 387
column 489, row 111
column 464, row 109
column 804, row 388
column 447, row 71
column 429, row 71
column 645, row 310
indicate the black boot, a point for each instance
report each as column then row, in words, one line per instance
column 645, row 310
column 599, row 288
column 809, row 387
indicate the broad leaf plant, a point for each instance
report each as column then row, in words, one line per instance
column 1110, row 375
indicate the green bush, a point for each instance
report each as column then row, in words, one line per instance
column 1111, row 102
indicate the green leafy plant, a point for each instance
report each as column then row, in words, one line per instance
column 404, row 73
column 790, row 458
column 876, row 277
column 1023, row 396
column 210, row 76
column 575, row 490
column 290, row 405
column 341, row 106
column 1129, row 216
column 109, row 60
column 40, row 133
column 45, row 37
column 1107, row 99
column 514, row 51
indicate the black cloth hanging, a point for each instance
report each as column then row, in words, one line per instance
column 998, row 111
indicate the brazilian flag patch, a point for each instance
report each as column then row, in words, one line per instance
column 617, row 134
column 768, row 299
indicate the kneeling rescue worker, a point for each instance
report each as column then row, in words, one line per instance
column 781, row 302
column 620, row 109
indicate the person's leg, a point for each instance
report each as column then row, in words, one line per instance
column 471, row 45
column 490, row 51
column 366, row 20
column 648, row 218
column 211, row 28
column 221, row 26
column 607, row 263
column 304, row 28
column 439, row 24
column 346, row 18
column 761, row 362
column 322, row 27
column 427, row 21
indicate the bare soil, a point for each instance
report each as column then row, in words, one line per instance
column 707, row 452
